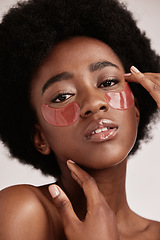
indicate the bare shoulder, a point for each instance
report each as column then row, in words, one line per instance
column 154, row 230
column 151, row 231
column 24, row 214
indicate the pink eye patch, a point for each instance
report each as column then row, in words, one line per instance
column 120, row 100
column 61, row 117
column 68, row 115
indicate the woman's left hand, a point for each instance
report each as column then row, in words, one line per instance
column 150, row 81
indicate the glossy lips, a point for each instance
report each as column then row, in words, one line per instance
column 120, row 100
column 61, row 117
column 101, row 130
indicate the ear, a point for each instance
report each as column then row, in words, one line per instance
column 137, row 111
column 39, row 141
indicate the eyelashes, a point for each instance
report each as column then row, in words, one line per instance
column 64, row 96
column 108, row 83
column 61, row 97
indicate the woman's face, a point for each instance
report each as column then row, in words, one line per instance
column 82, row 70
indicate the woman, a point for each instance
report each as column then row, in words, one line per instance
column 64, row 72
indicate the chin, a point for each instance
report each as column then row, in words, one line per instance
column 102, row 161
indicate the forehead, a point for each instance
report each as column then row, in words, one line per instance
column 76, row 52
column 72, row 56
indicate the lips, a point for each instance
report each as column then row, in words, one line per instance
column 101, row 130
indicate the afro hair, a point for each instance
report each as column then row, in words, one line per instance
column 28, row 33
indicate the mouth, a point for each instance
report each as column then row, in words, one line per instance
column 101, row 130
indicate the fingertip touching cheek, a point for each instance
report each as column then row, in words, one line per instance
column 69, row 114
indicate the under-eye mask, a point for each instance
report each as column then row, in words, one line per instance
column 120, row 100
column 69, row 114
column 61, row 117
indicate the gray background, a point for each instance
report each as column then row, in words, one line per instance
column 143, row 178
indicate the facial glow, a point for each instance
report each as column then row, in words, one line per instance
column 68, row 115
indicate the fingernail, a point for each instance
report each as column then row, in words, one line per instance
column 70, row 161
column 134, row 69
column 127, row 74
column 53, row 191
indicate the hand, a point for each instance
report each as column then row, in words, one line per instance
column 100, row 221
column 150, row 81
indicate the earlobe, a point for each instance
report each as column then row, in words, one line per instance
column 39, row 141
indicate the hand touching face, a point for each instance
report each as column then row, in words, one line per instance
column 100, row 221
column 150, row 81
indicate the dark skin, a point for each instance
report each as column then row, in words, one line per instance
column 89, row 200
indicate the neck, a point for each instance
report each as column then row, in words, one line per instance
column 111, row 182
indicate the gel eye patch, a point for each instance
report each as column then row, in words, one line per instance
column 68, row 115
column 61, row 117
column 120, row 100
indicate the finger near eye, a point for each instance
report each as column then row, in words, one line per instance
column 150, row 81
column 153, row 88
column 154, row 77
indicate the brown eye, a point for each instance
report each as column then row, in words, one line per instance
column 61, row 97
column 108, row 83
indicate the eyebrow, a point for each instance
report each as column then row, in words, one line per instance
column 66, row 75
column 57, row 78
column 99, row 65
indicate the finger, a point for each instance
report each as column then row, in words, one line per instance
column 138, row 77
column 90, row 188
column 63, row 205
column 154, row 77
column 150, row 83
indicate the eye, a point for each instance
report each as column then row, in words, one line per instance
column 108, row 83
column 62, row 97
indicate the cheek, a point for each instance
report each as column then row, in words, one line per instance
column 129, row 127
column 60, row 139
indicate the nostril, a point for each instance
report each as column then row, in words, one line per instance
column 102, row 108
column 93, row 111
column 87, row 113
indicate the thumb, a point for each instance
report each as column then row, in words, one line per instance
column 63, row 205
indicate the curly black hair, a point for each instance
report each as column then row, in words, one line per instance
column 28, row 33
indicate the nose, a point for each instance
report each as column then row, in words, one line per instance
column 93, row 103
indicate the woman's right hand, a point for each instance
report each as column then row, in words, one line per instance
column 100, row 221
